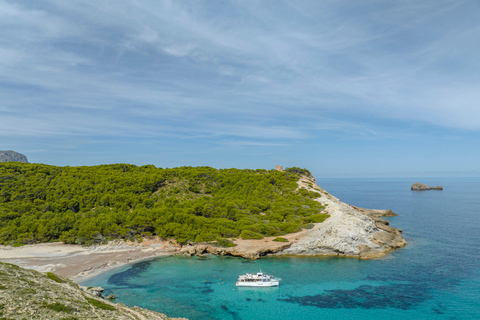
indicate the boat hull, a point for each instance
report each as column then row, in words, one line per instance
column 258, row 284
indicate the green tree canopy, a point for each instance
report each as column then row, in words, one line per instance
column 40, row 203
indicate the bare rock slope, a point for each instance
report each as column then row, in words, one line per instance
column 350, row 231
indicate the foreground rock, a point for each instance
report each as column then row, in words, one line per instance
column 29, row 294
column 421, row 186
column 8, row 156
column 350, row 231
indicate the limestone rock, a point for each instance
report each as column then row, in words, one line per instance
column 350, row 231
column 98, row 238
column 9, row 156
column 248, row 249
column 111, row 297
column 97, row 291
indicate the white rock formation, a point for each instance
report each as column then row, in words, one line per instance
column 349, row 231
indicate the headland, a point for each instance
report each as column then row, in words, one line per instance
column 349, row 231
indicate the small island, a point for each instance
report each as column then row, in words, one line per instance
column 421, row 187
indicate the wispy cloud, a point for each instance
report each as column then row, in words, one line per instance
column 253, row 73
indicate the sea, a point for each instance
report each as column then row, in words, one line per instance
column 436, row 276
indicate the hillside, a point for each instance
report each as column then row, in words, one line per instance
column 28, row 294
column 8, row 156
column 42, row 203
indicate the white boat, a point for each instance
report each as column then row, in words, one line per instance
column 259, row 279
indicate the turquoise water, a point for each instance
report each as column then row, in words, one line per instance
column 435, row 277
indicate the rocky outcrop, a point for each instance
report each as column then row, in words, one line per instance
column 421, row 186
column 98, row 291
column 8, row 156
column 248, row 249
column 350, row 231
column 29, row 294
column 375, row 212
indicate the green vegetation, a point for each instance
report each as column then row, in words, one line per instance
column 54, row 277
column 57, row 306
column 280, row 239
column 223, row 243
column 86, row 205
column 309, row 194
column 100, row 304
column 249, row 234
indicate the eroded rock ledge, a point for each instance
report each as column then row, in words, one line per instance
column 350, row 231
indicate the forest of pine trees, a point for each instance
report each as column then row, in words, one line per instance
column 41, row 203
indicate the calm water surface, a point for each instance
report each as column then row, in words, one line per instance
column 436, row 276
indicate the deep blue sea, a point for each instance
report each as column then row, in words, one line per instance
column 436, row 276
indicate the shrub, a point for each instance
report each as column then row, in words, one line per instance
column 298, row 171
column 319, row 218
column 248, row 234
column 280, row 239
column 55, row 277
column 57, row 306
column 224, row 243
column 99, row 304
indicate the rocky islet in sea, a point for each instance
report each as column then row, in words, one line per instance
column 418, row 186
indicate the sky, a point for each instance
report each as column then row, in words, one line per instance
column 343, row 88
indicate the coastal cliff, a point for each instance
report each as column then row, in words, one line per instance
column 349, row 231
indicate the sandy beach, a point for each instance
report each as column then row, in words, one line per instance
column 77, row 262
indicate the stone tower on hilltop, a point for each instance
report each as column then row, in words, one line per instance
column 279, row 168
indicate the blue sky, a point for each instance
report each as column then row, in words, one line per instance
column 344, row 88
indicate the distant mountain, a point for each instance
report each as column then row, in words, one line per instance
column 8, row 156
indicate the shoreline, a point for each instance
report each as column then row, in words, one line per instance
column 80, row 263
